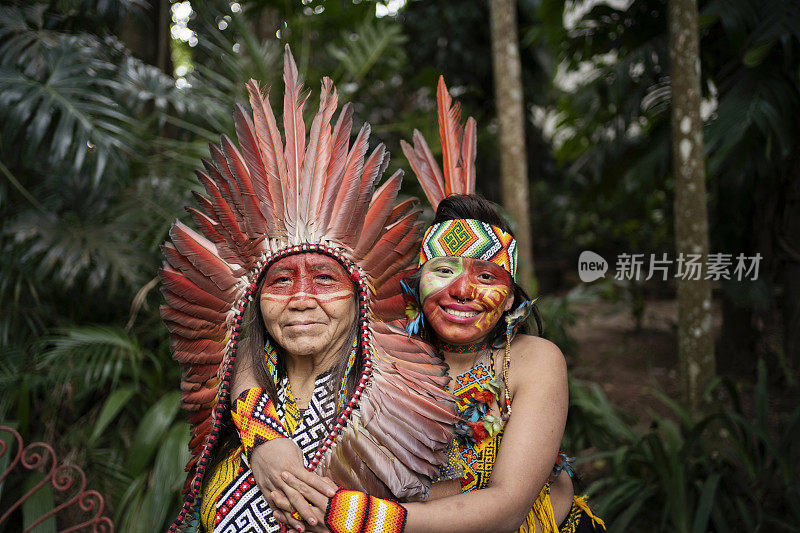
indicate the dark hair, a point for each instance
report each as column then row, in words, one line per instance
column 475, row 207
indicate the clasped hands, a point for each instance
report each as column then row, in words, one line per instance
column 287, row 486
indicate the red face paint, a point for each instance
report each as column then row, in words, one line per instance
column 463, row 298
column 308, row 303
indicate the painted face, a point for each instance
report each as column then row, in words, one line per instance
column 308, row 304
column 463, row 298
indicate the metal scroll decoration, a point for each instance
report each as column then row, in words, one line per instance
column 67, row 480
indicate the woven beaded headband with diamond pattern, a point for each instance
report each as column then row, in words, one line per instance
column 466, row 237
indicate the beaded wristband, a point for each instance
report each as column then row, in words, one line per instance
column 350, row 511
column 256, row 419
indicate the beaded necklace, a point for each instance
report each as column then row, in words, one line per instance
column 461, row 348
column 271, row 355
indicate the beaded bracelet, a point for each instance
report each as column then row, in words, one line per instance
column 256, row 419
column 351, row 511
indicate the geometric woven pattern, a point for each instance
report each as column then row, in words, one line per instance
column 256, row 419
column 309, row 427
column 351, row 511
column 470, row 238
column 241, row 506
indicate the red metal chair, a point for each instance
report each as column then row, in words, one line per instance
column 66, row 480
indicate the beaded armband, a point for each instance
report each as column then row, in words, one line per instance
column 256, row 419
column 350, row 511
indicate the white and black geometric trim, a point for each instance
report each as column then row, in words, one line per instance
column 248, row 511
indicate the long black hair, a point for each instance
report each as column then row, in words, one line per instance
column 472, row 206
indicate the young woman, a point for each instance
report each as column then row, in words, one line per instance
column 512, row 389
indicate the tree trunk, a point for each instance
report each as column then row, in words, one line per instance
column 148, row 37
column 695, row 336
column 511, row 115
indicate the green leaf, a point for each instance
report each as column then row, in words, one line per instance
column 150, row 432
column 756, row 54
column 38, row 504
column 704, row 506
column 167, row 479
column 114, row 404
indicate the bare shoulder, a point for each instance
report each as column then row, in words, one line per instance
column 535, row 356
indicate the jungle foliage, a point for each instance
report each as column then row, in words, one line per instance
column 98, row 144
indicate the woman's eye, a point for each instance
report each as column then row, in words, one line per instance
column 444, row 270
column 281, row 280
column 325, row 278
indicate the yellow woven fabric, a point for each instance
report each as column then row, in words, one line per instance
column 214, row 484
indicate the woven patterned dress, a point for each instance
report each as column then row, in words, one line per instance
column 232, row 501
column 476, row 462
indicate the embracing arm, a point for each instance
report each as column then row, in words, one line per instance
column 524, row 461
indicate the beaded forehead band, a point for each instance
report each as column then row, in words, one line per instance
column 466, row 237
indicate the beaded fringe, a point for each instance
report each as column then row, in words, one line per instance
column 580, row 501
column 543, row 511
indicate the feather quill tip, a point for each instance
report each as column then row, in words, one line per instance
column 520, row 314
column 413, row 309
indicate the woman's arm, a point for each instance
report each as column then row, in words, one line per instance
column 538, row 383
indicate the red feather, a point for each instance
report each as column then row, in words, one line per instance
column 373, row 170
column 318, row 155
column 379, row 210
column 469, row 151
column 401, row 209
column 196, row 327
column 269, row 141
column 336, row 166
column 389, row 247
column 347, row 195
column 180, row 304
column 449, row 133
column 221, row 174
column 425, row 167
column 295, row 131
column 258, row 185
column 183, row 287
column 203, row 254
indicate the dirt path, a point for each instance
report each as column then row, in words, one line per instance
column 628, row 364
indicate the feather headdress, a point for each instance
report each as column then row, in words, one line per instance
column 277, row 195
column 459, row 147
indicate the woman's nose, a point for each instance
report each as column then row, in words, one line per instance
column 302, row 300
column 461, row 288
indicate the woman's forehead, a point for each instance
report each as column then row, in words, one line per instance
column 307, row 262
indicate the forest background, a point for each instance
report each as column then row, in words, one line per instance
column 107, row 106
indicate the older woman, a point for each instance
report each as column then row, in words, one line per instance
column 297, row 225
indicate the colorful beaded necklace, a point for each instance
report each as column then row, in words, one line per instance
column 271, row 356
column 461, row 348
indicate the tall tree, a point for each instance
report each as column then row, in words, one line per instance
column 511, row 115
column 695, row 336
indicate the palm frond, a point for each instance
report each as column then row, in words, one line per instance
column 95, row 356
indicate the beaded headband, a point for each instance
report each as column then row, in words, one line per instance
column 467, row 237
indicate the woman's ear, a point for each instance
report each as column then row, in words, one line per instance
column 510, row 298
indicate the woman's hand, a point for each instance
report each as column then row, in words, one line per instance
column 272, row 458
column 311, row 495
